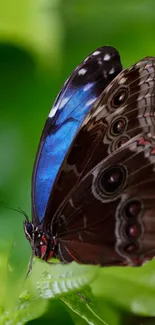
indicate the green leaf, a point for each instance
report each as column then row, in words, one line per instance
column 26, row 309
column 134, row 287
column 85, row 305
column 54, row 280
column 45, row 282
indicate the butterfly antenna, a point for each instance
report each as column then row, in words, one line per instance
column 16, row 209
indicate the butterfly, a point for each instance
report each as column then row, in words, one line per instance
column 93, row 197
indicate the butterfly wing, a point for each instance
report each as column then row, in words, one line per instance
column 109, row 124
column 71, row 106
column 109, row 219
column 86, row 224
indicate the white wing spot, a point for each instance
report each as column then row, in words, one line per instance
column 106, row 57
column 64, row 101
column 82, row 71
column 91, row 101
column 96, row 53
column 88, row 86
column 112, row 71
column 59, row 105
column 122, row 81
column 138, row 64
column 53, row 110
column 86, row 59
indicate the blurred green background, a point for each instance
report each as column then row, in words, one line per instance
column 41, row 42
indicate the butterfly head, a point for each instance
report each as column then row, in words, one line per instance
column 43, row 245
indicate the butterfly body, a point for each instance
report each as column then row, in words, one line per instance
column 93, row 192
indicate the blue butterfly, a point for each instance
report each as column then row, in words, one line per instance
column 79, row 177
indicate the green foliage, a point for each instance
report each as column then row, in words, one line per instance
column 40, row 43
column 87, row 291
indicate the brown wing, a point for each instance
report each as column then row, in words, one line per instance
column 125, row 109
column 109, row 217
column 103, row 201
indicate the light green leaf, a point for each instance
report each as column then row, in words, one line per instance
column 85, row 306
column 26, row 309
column 54, row 280
column 134, row 287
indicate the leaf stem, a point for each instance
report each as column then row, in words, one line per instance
column 92, row 311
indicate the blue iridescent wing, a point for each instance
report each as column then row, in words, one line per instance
column 73, row 103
